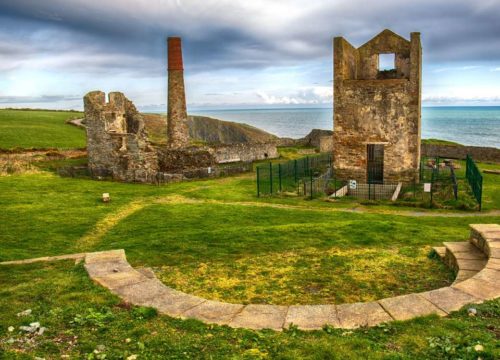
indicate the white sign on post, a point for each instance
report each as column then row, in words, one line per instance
column 353, row 184
column 427, row 187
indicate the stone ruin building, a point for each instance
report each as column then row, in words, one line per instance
column 377, row 109
column 118, row 145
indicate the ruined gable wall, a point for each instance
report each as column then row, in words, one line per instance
column 368, row 110
column 117, row 143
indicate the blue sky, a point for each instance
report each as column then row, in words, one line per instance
column 257, row 53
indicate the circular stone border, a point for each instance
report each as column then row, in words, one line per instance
column 477, row 263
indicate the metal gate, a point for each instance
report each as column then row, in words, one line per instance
column 375, row 164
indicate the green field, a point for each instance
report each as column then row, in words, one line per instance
column 216, row 239
column 39, row 130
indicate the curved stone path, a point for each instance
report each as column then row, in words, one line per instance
column 477, row 263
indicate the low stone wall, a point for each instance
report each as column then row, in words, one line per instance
column 478, row 153
column 244, row 152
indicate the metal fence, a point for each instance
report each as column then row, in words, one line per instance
column 475, row 179
column 274, row 178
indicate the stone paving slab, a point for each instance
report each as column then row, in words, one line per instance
column 105, row 256
column 459, row 247
column 449, row 299
column 214, row 312
column 361, row 314
column 440, row 251
column 312, row 317
column 494, row 252
column 172, row 302
column 142, row 293
column 479, row 288
column 78, row 256
column 97, row 269
column 120, row 279
column 490, row 275
column 493, row 263
column 260, row 317
column 476, row 265
column 464, row 275
column 409, row 306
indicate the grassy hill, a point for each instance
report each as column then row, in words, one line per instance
column 39, row 129
column 215, row 238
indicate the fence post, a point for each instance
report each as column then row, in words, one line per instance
column 258, row 182
column 432, row 186
column 279, row 175
column 311, row 184
column 271, row 177
column 480, row 192
column 295, row 170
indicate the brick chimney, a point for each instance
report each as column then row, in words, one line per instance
column 177, row 131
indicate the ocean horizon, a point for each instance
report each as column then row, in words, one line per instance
column 467, row 125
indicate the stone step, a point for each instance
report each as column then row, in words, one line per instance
column 464, row 256
column 440, row 251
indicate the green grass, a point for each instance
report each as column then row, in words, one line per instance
column 81, row 317
column 39, row 130
column 439, row 142
column 215, row 238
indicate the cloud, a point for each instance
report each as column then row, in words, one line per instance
column 306, row 96
column 83, row 41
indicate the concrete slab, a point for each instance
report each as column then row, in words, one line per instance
column 174, row 303
column 105, row 256
column 260, row 317
column 312, row 317
column 457, row 247
column 409, row 306
column 449, row 299
column 361, row 314
column 479, row 288
column 490, row 275
column 476, row 265
column 142, row 293
column 440, row 251
column 214, row 312
column 120, row 279
column 105, row 268
column 464, row 275
column 493, row 253
column 493, row 263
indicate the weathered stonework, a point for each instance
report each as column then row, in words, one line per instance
column 377, row 107
column 177, row 131
column 117, row 143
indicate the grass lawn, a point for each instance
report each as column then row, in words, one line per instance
column 39, row 130
column 81, row 318
column 216, row 239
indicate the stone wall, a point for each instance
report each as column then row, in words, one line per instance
column 478, row 153
column 118, row 146
column 117, row 143
column 244, row 152
column 374, row 109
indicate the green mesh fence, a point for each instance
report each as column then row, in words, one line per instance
column 475, row 179
column 274, row 178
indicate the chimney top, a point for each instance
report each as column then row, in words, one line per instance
column 174, row 53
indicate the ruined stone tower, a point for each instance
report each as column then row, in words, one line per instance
column 177, row 130
column 117, row 143
column 377, row 109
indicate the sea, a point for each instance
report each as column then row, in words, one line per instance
column 467, row 125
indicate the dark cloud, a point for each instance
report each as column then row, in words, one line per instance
column 229, row 34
